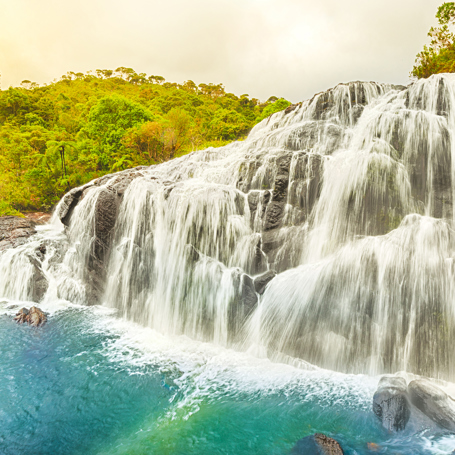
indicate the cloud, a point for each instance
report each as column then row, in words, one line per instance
column 290, row 48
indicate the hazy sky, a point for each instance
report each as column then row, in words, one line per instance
column 289, row 48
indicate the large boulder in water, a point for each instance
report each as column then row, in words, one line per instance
column 317, row 444
column 15, row 231
column 390, row 403
column 433, row 402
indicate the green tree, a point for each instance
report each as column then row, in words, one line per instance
column 108, row 122
column 276, row 106
column 439, row 56
column 63, row 134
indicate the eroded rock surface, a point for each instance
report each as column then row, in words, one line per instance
column 263, row 280
column 243, row 305
column 433, row 402
column 390, row 403
column 15, row 231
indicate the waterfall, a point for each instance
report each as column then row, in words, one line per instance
column 347, row 196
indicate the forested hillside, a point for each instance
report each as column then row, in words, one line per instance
column 58, row 136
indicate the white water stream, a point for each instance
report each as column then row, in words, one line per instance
column 349, row 197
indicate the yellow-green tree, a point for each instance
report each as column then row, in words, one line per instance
column 439, row 56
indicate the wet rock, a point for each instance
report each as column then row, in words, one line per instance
column 263, row 280
column 34, row 317
column 433, row 402
column 390, row 403
column 106, row 209
column 253, row 200
column 123, row 181
column 39, row 217
column 259, row 264
column 242, row 306
column 400, row 88
column 117, row 183
column 113, row 188
column 41, row 251
column 257, row 198
column 22, row 316
column 271, row 240
column 15, row 231
column 249, row 299
column 280, row 188
column 68, row 203
column 192, row 254
column 273, row 215
column 317, row 444
column 291, row 108
column 39, row 284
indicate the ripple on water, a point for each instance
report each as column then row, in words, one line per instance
column 88, row 383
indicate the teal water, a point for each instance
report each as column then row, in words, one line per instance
column 87, row 383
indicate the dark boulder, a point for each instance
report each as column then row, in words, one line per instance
column 15, row 231
column 68, row 203
column 34, row 317
column 106, row 209
column 274, row 215
column 259, row 263
column 258, row 198
column 248, row 298
column 433, row 402
column 242, row 306
column 263, row 280
column 271, row 240
column 317, row 444
column 280, row 188
column 390, row 403
column 39, row 283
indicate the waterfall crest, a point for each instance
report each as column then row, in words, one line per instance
column 348, row 196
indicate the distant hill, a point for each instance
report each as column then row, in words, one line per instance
column 61, row 135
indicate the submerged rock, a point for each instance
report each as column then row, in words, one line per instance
column 317, row 444
column 35, row 317
column 14, row 231
column 433, row 402
column 390, row 403
column 263, row 280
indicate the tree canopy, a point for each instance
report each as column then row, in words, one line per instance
column 439, row 56
column 60, row 135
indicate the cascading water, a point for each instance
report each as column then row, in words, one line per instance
column 348, row 196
